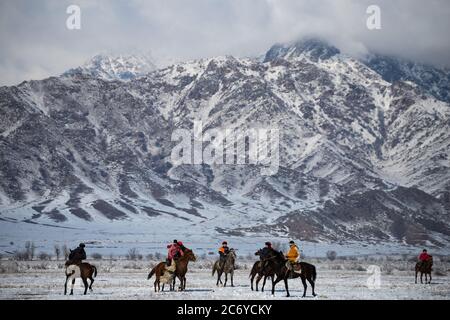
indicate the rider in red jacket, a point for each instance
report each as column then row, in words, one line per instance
column 424, row 256
column 174, row 251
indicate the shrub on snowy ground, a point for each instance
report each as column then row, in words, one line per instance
column 133, row 266
column 9, row 267
column 19, row 255
column 44, row 256
column 40, row 266
column 356, row 267
column 132, row 254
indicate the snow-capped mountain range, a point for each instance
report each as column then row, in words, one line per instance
column 364, row 148
column 115, row 67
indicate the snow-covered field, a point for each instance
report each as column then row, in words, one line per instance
column 124, row 279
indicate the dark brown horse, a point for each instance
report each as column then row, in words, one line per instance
column 180, row 270
column 82, row 270
column 262, row 269
column 308, row 272
column 424, row 267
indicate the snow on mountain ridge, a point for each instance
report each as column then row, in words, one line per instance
column 116, row 67
column 102, row 149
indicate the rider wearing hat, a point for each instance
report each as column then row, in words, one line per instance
column 293, row 253
column 223, row 251
column 268, row 249
column 174, row 251
column 77, row 255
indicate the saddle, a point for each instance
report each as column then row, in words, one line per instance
column 73, row 262
column 293, row 267
column 172, row 267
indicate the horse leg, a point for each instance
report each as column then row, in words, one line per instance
column 219, row 275
column 163, row 287
column 305, row 286
column 226, row 279
column 258, row 279
column 92, row 281
column 311, row 282
column 251, row 281
column 154, row 284
column 274, row 282
column 73, row 284
column 232, row 275
column 264, row 283
column 65, row 285
column 430, row 278
column 421, row 277
column 286, row 286
column 416, row 277
column 85, row 285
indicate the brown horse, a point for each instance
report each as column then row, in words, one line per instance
column 180, row 270
column 84, row 271
column 424, row 267
column 163, row 275
column 308, row 272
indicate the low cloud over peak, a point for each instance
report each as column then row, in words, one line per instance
column 36, row 42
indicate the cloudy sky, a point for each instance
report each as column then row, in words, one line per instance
column 35, row 42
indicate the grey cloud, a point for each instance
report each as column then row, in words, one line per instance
column 36, row 43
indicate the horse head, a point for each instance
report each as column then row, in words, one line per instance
column 189, row 254
column 232, row 253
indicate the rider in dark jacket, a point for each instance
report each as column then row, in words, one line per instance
column 265, row 253
column 77, row 255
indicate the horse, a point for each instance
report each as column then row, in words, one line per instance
column 181, row 268
column 84, row 271
column 258, row 269
column 424, row 267
column 307, row 272
column 164, row 275
column 227, row 267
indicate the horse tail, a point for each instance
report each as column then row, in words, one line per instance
column 95, row 271
column 213, row 269
column 314, row 273
column 152, row 272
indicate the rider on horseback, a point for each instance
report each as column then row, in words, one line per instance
column 224, row 250
column 424, row 256
column 174, row 251
column 266, row 253
column 292, row 255
column 77, row 255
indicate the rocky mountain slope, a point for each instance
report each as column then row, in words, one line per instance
column 364, row 156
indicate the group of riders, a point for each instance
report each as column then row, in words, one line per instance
column 176, row 249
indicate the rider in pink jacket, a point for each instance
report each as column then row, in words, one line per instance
column 174, row 252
